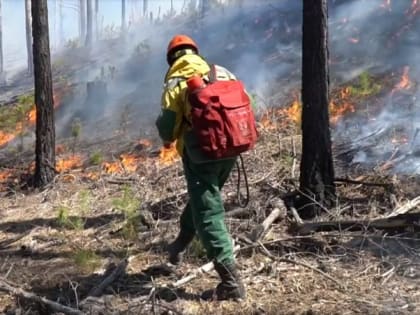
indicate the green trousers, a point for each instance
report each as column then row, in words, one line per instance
column 204, row 213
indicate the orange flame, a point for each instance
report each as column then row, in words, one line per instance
column 6, row 137
column 167, row 156
column 4, row 175
column 405, row 82
column 74, row 161
column 353, row 40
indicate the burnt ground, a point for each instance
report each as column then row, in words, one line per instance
column 62, row 242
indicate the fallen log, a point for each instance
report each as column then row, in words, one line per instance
column 395, row 223
column 54, row 306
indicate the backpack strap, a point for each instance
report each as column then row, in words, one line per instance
column 212, row 73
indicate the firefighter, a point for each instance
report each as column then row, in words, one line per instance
column 204, row 213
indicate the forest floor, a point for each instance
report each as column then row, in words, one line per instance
column 62, row 242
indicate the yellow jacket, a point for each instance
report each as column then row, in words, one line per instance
column 175, row 118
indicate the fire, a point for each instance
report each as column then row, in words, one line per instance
column 168, row 156
column 4, row 175
column 294, row 111
column 338, row 111
column 405, row 82
column 386, row 5
column 353, row 40
column 145, row 142
column 127, row 163
column 74, row 161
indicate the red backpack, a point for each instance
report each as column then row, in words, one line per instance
column 222, row 116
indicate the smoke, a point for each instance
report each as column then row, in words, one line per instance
column 260, row 42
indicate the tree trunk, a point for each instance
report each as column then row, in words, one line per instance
column 89, row 32
column 145, row 5
column 96, row 19
column 45, row 129
column 82, row 25
column 28, row 19
column 1, row 46
column 123, row 17
column 316, row 168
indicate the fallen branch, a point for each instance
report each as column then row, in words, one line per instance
column 295, row 262
column 203, row 269
column 278, row 212
column 115, row 274
column 398, row 222
column 358, row 182
column 411, row 204
column 54, row 306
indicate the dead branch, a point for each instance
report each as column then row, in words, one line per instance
column 291, row 261
column 56, row 307
column 408, row 206
column 398, row 222
column 358, row 182
column 200, row 270
column 279, row 211
column 115, row 274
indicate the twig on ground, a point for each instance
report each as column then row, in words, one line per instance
column 203, row 269
column 408, row 206
column 296, row 215
column 357, row 182
column 115, row 274
column 291, row 261
column 54, row 306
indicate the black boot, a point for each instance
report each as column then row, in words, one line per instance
column 176, row 248
column 231, row 286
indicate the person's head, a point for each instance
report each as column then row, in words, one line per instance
column 179, row 46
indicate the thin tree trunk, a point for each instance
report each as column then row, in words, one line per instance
column 123, row 22
column 89, row 32
column 45, row 129
column 82, row 25
column 145, row 5
column 1, row 44
column 316, row 169
column 28, row 24
column 96, row 19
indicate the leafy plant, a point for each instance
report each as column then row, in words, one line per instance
column 76, row 131
column 197, row 249
column 365, row 86
column 96, row 158
column 82, row 208
column 86, row 259
column 128, row 204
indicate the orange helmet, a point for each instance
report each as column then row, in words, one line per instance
column 181, row 40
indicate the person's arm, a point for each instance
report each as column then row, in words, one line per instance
column 169, row 120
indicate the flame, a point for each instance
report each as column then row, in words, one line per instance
column 60, row 149
column 337, row 111
column 4, row 175
column 399, row 140
column 167, row 156
column 6, row 137
column 127, row 163
column 353, row 40
column 405, row 82
column 74, row 161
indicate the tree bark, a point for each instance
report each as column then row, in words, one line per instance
column 82, row 16
column 123, row 22
column 89, row 31
column 316, row 168
column 28, row 24
column 45, row 129
column 1, row 45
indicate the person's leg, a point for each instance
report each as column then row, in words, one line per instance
column 208, row 214
column 184, row 238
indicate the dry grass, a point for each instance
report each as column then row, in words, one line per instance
column 379, row 273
